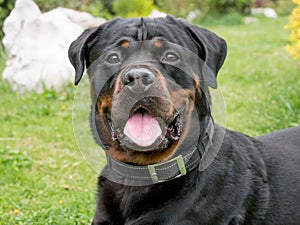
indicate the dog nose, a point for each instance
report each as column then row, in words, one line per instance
column 138, row 78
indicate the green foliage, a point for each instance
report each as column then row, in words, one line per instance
column 181, row 8
column 227, row 6
column 282, row 7
column 94, row 7
column 5, row 7
column 16, row 159
column 133, row 8
column 51, row 4
column 213, row 19
column 178, row 8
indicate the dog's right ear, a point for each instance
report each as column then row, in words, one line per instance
column 78, row 51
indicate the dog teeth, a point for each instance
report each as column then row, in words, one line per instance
column 113, row 136
column 173, row 132
column 117, row 134
column 175, row 137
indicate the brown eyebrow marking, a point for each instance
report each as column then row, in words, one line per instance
column 158, row 43
column 125, row 44
column 197, row 82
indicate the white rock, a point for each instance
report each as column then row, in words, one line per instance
column 155, row 13
column 83, row 18
column 193, row 15
column 267, row 12
column 270, row 13
column 24, row 11
column 38, row 46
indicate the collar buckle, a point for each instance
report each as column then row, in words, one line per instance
column 155, row 172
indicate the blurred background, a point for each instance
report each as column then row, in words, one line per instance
column 43, row 177
column 201, row 11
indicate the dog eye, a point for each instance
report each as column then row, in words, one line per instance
column 170, row 57
column 113, row 58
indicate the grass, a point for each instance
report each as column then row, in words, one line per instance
column 259, row 80
column 43, row 177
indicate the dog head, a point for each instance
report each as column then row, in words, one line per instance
column 149, row 81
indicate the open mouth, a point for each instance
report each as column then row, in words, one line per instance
column 145, row 131
column 142, row 128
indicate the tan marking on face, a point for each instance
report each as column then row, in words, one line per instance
column 158, row 43
column 103, row 106
column 197, row 82
column 118, row 84
column 182, row 97
column 125, row 44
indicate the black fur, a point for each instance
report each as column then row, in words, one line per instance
column 251, row 181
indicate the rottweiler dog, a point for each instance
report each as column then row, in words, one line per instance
column 167, row 161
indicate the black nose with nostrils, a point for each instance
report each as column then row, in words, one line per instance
column 138, row 78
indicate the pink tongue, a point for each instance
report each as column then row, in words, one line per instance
column 142, row 129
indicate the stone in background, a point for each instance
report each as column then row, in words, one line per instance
column 37, row 45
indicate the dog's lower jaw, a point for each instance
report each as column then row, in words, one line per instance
column 141, row 158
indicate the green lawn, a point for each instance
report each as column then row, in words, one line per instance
column 259, row 80
column 45, row 180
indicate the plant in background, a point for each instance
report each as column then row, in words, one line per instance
column 228, row 6
column 5, row 7
column 294, row 26
column 96, row 8
column 179, row 8
column 133, row 8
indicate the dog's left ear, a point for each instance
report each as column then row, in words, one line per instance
column 78, row 51
column 212, row 50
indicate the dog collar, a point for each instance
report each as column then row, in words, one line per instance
column 160, row 172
